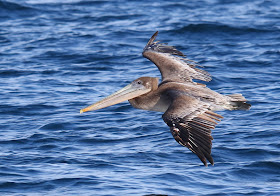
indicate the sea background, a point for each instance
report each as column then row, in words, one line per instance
column 57, row 57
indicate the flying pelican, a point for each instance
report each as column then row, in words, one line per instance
column 189, row 107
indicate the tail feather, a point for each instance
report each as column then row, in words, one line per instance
column 239, row 102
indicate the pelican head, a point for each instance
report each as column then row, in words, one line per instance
column 136, row 88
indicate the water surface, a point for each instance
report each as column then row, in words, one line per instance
column 57, row 57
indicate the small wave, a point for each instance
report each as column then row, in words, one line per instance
column 11, row 9
column 255, row 170
column 113, row 140
column 4, row 40
column 14, row 141
column 14, row 73
column 36, row 137
column 55, row 126
column 210, row 28
column 30, row 109
column 34, row 183
column 13, row 6
column 111, row 18
column 89, row 3
column 270, row 166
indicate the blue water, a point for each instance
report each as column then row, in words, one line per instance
column 57, row 57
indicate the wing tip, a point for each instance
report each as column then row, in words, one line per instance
column 211, row 161
column 204, row 157
column 161, row 47
column 151, row 40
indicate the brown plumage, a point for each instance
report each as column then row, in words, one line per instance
column 188, row 106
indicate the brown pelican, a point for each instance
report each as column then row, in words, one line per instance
column 188, row 106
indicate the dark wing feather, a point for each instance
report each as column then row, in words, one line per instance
column 190, row 122
column 172, row 65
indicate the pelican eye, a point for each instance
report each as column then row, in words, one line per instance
column 139, row 82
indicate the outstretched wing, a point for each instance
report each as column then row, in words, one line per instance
column 172, row 63
column 190, row 122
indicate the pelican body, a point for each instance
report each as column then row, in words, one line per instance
column 188, row 107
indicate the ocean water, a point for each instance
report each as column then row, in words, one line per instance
column 57, row 57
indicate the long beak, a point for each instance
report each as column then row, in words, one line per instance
column 126, row 93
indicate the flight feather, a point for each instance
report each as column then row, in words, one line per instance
column 172, row 63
